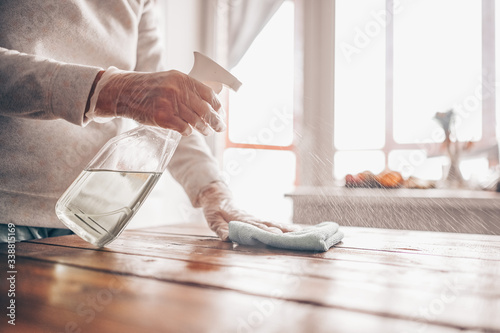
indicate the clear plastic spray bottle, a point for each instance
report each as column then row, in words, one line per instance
column 106, row 195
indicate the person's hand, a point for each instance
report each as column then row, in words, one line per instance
column 168, row 99
column 219, row 209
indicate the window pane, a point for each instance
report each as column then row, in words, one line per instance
column 358, row 161
column 437, row 66
column 474, row 168
column 497, row 67
column 415, row 163
column 259, row 180
column 261, row 111
column 359, row 74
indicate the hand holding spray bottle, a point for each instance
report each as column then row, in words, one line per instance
column 112, row 187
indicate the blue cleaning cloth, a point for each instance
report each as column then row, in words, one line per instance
column 319, row 237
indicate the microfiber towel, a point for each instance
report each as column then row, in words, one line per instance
column 319, row 237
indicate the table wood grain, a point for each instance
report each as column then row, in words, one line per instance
column 181, row 278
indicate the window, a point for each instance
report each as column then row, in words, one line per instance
column 397, row 63
column 437, row 66
column 338, row 86
column 258, row 161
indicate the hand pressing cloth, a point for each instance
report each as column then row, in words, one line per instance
column 319, row 237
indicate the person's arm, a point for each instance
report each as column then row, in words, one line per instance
column 193, row 165
column 39, row 88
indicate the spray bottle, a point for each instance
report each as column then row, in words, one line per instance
column 102, row 200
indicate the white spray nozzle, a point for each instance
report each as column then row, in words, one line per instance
column 212, row 74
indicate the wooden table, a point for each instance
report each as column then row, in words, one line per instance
column 183, row 279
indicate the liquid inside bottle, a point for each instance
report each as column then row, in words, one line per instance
column 101, row 202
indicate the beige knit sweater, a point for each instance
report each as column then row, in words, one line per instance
column 50, row 53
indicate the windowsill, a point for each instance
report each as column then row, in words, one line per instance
column 442, row 210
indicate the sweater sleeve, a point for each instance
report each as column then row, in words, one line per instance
column 40, row 88
column 193, row 164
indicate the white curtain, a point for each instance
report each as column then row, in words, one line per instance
column 246, row 18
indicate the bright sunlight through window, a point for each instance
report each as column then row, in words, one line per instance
column 261, row 114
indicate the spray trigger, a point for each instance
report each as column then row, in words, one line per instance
column 212, row 74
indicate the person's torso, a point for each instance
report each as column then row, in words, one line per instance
column 40, row 158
